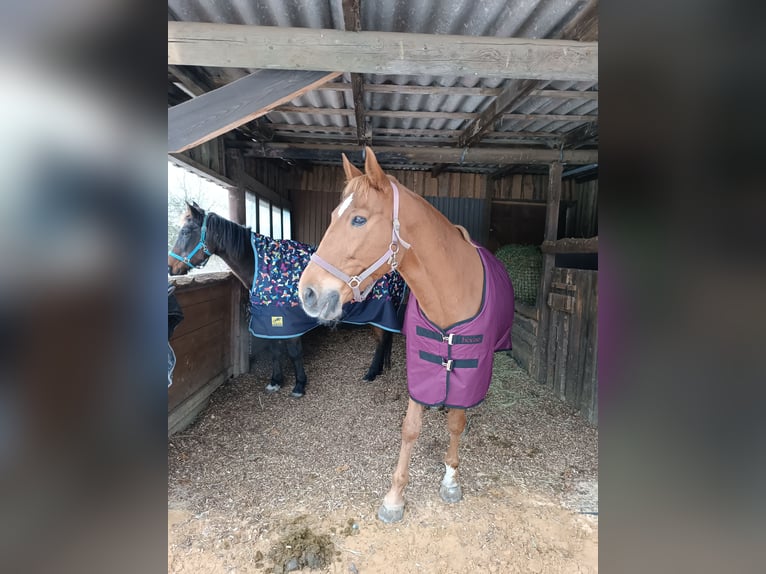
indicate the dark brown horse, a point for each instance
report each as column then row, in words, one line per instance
column 203, row 234
column 461, row 315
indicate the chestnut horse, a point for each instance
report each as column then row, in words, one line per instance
column 461, row 313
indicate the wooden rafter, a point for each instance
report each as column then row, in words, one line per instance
column 393, row 53
column 519, row 91
column 434, row 114
column 353, row 20
column 406, row 132
column 508, row 99
column 585, row 134
column 221, row 110
column 457, row 91
column 496, row 156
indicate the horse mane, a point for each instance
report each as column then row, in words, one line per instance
column 232, row 237
column 464, row 232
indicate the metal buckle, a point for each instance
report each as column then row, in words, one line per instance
column 447, row 364
column 354, row 282
column 394, row 249
column 447, row 339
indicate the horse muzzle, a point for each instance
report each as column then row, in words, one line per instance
column 176, row 267
column 324, row 305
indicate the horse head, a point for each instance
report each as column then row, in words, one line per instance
column 361, row 244
column 190, row 250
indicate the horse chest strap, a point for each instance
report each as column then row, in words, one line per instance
column 450, row 338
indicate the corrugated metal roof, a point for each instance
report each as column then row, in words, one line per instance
column 522, row 18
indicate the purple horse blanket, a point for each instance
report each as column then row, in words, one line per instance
column 453, row 367
column 275, row 309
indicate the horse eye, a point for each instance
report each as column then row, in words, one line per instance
column 358, row 221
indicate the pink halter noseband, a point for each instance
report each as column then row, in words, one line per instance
column 388, row 257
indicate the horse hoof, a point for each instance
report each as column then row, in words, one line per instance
column 272, row 388
column 450, row 494
column 389, row 515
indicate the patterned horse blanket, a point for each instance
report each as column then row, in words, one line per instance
column 276, row 312
column 453, row 367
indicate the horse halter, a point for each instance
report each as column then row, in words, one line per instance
column 388, row 257
column 200, row 245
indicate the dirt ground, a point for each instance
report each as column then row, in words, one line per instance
column 268, row 483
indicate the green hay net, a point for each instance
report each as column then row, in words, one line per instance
column 524, row 264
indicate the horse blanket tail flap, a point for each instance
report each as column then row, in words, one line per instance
column 453, row 367
column 275, row 309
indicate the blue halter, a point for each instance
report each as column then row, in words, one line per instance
column 200, row 245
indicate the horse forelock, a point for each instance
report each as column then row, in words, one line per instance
column 361, row 186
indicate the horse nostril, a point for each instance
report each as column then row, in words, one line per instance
column 309, row 296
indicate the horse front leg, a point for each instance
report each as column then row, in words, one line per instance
column 382, row 356
column 450, row 490
column 392, row 509
column 295, row 352
column 275, row 349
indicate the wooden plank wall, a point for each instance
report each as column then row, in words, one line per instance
column 320, row 189
column 572, row 357
column 203, row 342
column 524, row 335
column 585, row 214
column 274, row 174
column 210, row 154
column 311, row 215
column 578, row 212
column 528, row 187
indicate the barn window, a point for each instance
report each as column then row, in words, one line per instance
column 276, row 222
column 286, row 225
column 264, row 217
column 251, row 211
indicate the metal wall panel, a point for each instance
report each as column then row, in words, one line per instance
column 470, row 213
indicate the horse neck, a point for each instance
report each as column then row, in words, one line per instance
column 442, row 269
column 231, row 242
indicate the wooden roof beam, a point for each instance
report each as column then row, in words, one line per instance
column 391, row 53
column 457, row 91
column 219, row 111
column 585, row 134
column 492, row 156
column 436, row 114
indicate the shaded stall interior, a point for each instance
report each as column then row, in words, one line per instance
column 513, row 158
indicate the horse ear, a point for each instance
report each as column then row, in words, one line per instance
column 194, row 208
column 348, row 167
column 374, row 171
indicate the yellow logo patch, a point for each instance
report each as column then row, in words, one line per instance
column 276, row 322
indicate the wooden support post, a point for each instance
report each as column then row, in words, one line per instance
column 353, row 21
column 240, row 335
column 539, row 364
column 237, row 211
column 234, row 168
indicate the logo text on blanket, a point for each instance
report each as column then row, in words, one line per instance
column 276, row 321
